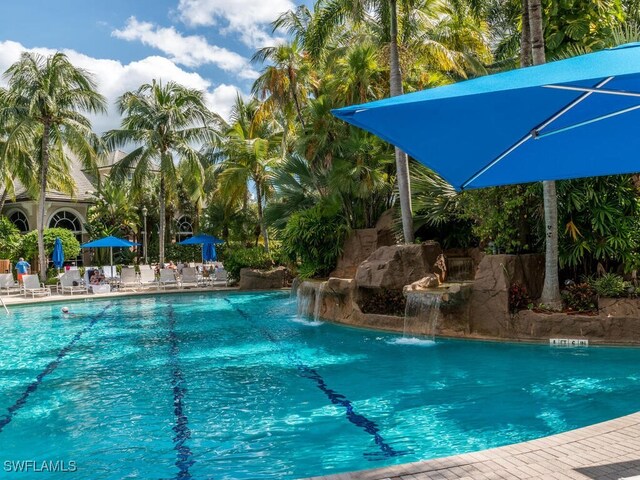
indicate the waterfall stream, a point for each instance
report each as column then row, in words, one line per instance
column 421, row 314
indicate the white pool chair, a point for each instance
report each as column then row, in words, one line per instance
column 168, row 278
column 189, row 277
column 66, row 284
column 8, row 285
column 31, row 284
column 148, row 277
column 129, row 279
column 221, row 276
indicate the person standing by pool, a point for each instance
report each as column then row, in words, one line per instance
column 23, row 268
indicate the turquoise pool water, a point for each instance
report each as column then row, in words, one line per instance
column 234, row 386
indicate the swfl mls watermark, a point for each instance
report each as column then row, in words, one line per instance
column 39, row 466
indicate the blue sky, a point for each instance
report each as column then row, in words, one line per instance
column 205, row 44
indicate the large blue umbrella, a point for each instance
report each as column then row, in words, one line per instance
column 208, row 245
column 209, row 252
column 201, row 239
column 57, row 257
column 567, row 119
column 109, row 242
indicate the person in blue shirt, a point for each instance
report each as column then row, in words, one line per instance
column 23, row 268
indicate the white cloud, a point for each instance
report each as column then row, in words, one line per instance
column 248, row 18
column 191, row 51
column 115, row 78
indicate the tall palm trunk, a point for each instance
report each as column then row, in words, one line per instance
column 525, row 37
column 402, row 162
column 44, row 170
column 163, row 220
column 263, row 226
column 294, row 94
column 551, row 288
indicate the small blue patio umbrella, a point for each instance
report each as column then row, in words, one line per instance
column 208, row 243
column 109, row 242
column 57, row 256
column 209, row 253
column 571, row 118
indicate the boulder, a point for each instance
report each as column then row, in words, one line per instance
column 363, row 242
column 251, row 279
column 430, row 281
column 490, row 297
column 395, row 266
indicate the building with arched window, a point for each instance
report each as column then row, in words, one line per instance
column 70, row 211
column 61, row 209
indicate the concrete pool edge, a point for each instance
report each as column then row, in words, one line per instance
column 606, row 450
column 15, row 300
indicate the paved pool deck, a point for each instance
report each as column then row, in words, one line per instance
column 11, row 300
column 604, row 451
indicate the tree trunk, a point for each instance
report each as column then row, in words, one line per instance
column 3, row 199
column 551, row 288
column 402, row 162
column 263, row 227
column 294, row 94
column 162, row 221
column 40, row 218
column 525, row 37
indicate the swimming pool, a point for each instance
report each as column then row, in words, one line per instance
column 234, row 386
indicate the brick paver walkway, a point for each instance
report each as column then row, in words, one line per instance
column 605, row 451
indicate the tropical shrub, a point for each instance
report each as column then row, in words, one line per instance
column 70, row 244
column 238, row 258
column 504, row 218
column 601, row 219
column 580, row 297
column 518, row 297
column 610, row 285
column 10, row 239
column 315, row 238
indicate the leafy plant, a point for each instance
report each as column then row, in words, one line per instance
column 239, row 258
column 10, row 239
column 518, row 297
column 70, row 244
column 610, row 285
column 315, row 237
column 580, row 297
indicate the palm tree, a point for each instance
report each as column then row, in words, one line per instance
column 551, row 288
column 250, row 150
column 44, row 105
column 335, row 13
column 164, row 122
column 282, row 82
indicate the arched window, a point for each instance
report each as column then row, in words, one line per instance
column 66, row 219
column 19, row 219
column 185, row 228
column 69, row 220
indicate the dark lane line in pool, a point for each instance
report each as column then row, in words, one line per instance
column 33, row 386
column 336, row 398
column 184, row 456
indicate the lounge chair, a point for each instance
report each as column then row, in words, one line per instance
column 31, row 284
column 66, row 284
column 168, row 278
column 221, row 276
column 148, row 277
column 9, row 285
column 110, row 272
column 189, row 277
column 129, row 279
